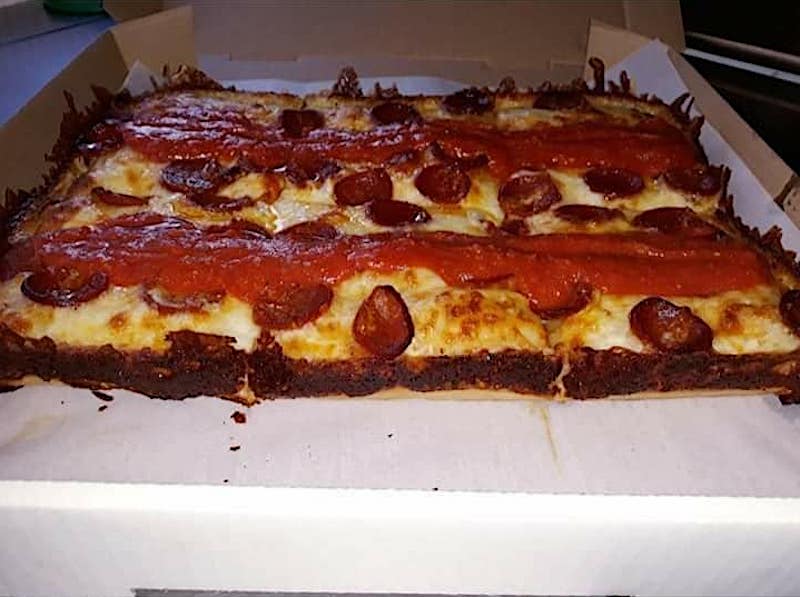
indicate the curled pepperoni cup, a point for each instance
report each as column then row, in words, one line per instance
column 298, row 123
column 307, row 167
column 167, row 302
column 107, row 197
column 579, row 296
column 285, row 308
column 614, row 182
column 242, row 226
column 443, row 183
column 103, row 137
column 666, row 327
column 699, row 180
column 193, row 177
column 790, row 309
column 560, row 100
column 468, row 101
column 679, row 221
column 383, row 324
column 395, row 113
column 528, row 193
column 461, row 158
column 396, row 213
column 361, row 187
column 63, row 288
column 311, row 231
column 587, row 214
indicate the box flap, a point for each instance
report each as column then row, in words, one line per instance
column 30, row 134
column 612, row 44
column 533, row 41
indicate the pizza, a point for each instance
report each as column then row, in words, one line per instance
column 566, row 242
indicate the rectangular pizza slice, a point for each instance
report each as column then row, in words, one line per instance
column 561, row 242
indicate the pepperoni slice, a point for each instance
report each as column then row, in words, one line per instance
column 193, row 177
column 680, row 221
column 700, row 180
column 383, row 324
column 469, row 101
column 395, row 113
column 287, row 308
column 465, row 161
column 313, row 230
column 443, row 183
column 614, row 182
column 790, row 309
column 103, row 137
column 63, row 288
column 102, row 195
column 587, row 214
column 396, row 213
column 666, row 327
column 298, row 123
column 166, row 302
column 560, row 100
column 309, row 168
column 528, row 193
column 240, row 225
column 361, row 187
column 580, row 296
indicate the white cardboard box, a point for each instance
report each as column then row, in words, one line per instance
column 672, row 497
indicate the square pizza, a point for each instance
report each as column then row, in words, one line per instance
column 565, row 242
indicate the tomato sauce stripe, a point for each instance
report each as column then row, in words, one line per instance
column 184, row 259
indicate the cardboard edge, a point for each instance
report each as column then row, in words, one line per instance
column 172, row 32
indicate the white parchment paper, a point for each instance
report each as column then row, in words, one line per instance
column 710, row 446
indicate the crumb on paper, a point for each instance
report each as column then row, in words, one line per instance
column 102, row 396
column 234, row 448
column 239, row 417
column 390, row 435
column 102, row 408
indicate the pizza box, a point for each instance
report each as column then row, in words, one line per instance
column 417, row 495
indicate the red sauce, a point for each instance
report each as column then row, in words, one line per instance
column 184, row 127
column 182, row 258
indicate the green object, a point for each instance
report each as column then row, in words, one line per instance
column 74, row 7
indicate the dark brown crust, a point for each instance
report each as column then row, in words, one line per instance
column 597, row 374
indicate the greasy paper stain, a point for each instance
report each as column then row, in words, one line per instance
column 33, row 428
column 544, row 414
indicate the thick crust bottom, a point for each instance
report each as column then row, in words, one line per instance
column 202, row 364
column 597, row 374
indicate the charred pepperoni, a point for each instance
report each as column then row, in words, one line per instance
column 166, row 302
column 103, row 137
column 614, row 182
column 396, row 213
column 587, row 214
column 465, row 161
column 102, row 195
column 700, row 180
column 528, row 193
column 193, row 177
column 298, row 123
column 383, row 324
column 790, row 309
column 63, row 288
column 395, row 113
column 361, row 187
column 310, row 168
column 443, row 183
column 675, row 220
column 469, row 101
column 579, row 297
column 560, row 100
column 240, row 225
column 287, row 308
column 666, row 327
column 310, row 231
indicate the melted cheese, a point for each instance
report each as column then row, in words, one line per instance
column 447, row 321
column 121, row 318
column 743, row 322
